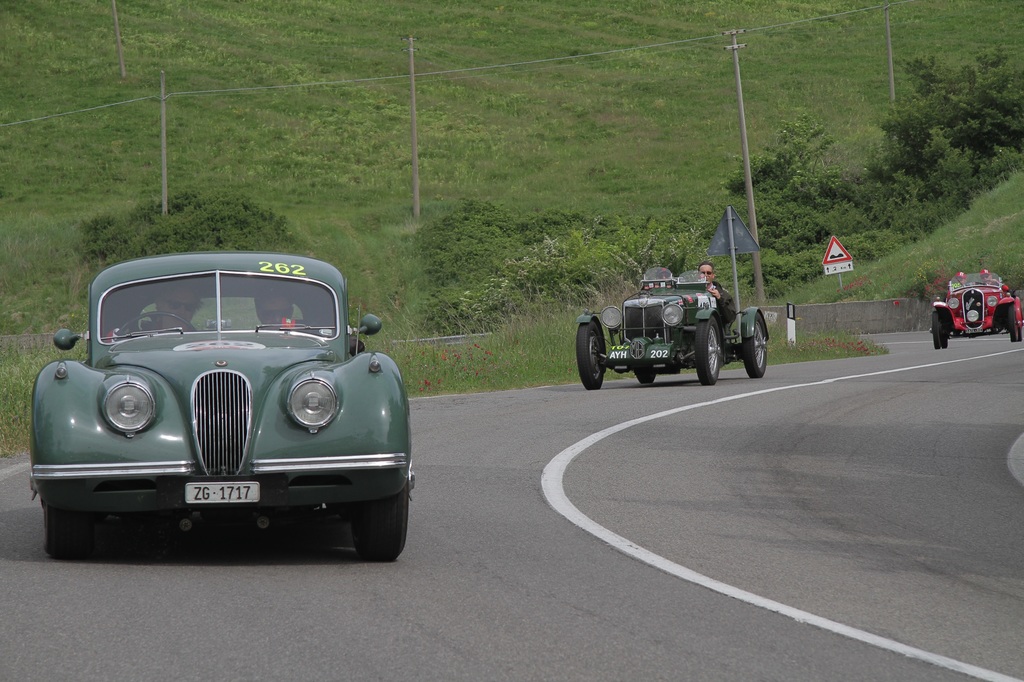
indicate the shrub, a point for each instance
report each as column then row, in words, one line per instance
column 195, row 221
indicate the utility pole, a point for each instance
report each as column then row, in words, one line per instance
column 888, row 49
column 747, row 181
column 415, row 143
column 117, row 35
column 163, row 139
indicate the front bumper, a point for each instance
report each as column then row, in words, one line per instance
column 118, row 488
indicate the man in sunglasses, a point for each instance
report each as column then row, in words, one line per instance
column 722, row 297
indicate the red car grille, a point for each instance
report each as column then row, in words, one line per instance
column 222, row 416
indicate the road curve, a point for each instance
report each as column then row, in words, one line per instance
column 883, row 503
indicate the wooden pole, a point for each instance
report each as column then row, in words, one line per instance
column 163, row 139
column 415, row 142
column 888, row 49
column 748, row 182
column 117, row 35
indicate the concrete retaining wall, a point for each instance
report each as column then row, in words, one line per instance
column 858, row 317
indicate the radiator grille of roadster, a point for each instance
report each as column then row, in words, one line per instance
column 643, row 320
column 222, row 414
column 974, row 308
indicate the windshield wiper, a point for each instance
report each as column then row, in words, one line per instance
column 147, row 332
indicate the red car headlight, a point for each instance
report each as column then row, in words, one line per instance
column 954, row 303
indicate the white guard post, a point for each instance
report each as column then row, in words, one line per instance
column 791, row 324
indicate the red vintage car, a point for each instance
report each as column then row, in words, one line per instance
column 976, row 303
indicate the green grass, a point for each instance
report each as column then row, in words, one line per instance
column 306, row 106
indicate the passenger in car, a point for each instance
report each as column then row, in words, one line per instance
column 275, row 309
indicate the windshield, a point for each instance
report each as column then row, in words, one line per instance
column 220, row 302
column 691, row 277
column 657, row 273
column 984, row 278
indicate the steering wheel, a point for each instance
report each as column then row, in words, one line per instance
column 152, row 315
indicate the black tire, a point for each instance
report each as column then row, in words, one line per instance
column 939, row 338
column 708, row 351
column 1011, row 324
column 755, row 350
column 68, row 534
column 590, row 349
column 645, row 376
column 379, row 527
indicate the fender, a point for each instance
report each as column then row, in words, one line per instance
column 747, row 320
column 587, row 318
column 944, row 313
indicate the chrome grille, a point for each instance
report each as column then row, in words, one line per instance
column 222, row 417
column 974, row 300
column 643, row 320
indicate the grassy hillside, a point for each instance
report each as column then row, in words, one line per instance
column 987, row 236
column 571, row 104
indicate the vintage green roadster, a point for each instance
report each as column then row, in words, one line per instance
column 669, row 325
column 221, row 388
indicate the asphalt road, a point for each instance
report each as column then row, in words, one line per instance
column 847, row 520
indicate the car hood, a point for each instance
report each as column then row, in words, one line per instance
column 180, row 359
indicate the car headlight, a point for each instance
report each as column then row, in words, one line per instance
column 954, row 303
column 128, row 407
column 611, row 317
column 672, row 314
column 992, row 300
column 973, row 316
column 312, row 403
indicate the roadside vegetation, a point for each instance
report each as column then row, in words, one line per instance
column 562, row 147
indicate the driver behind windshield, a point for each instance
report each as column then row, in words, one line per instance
column 723, row 298
column 179, row 304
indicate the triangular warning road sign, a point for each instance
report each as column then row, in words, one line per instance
column 740, row 239
column 835, row 253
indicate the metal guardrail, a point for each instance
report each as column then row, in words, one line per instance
column 27, row 341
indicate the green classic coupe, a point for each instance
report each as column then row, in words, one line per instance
column 222, row 387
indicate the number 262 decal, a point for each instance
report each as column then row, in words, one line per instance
column 283, row 268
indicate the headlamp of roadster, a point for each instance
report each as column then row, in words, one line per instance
column 954, row 303
column 672, row 314
column 991, row 301
column 312, row 403
column 611, row 317
column 128, row 406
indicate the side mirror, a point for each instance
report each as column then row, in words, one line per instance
column 369, row 325
column 65, row 339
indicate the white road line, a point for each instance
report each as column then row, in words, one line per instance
column 554, row 493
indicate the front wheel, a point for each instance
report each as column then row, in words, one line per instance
column 379, row 527
column 590, row 349
column 939, row 338
column 1011, row 324
column 68, row 534
column 708, row 352
column 755, row 350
